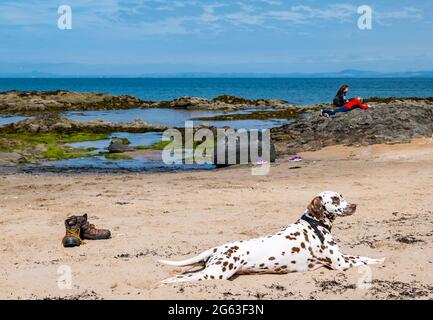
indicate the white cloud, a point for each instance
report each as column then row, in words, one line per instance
column 304, row 14
column 405, row 13
column 289, row 16
column 192, row 16
column 272, row 2
column 242, row 18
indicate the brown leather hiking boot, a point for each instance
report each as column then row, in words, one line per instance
column 89, row 231
column 72, row 237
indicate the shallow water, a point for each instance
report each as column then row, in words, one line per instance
column 10, row 120
column 174, row 118
column 136, row 139
column 141, row 163
column 167, row 117
column 138, row 163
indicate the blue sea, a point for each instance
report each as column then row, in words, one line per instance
column 299, row 91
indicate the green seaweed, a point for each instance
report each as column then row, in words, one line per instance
column 117, row 156
column 58, row 153
column 292, row 113
column 160, row 145
column 46, row 138
column 54, row 152
column 50, row 146
column 141, row 147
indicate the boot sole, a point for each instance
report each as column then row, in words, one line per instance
column 69, row 243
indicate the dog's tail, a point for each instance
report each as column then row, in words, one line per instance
column 201, row 257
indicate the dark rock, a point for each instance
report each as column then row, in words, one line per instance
column 227, row 103
column 119, row 145
column 396, row 123
column 55, row 122
column 123, row 141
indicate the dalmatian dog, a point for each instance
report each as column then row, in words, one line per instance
column 302, row 246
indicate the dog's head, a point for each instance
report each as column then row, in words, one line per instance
column 329, row 205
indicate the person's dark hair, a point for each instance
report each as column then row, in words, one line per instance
column 342, row 88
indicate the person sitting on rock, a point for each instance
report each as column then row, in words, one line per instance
column 343, row 104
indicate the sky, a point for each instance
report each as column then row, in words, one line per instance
column 131, row 37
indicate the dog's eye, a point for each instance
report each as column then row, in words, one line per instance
column 335, row 200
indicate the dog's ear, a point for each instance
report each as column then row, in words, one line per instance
column 315, row 208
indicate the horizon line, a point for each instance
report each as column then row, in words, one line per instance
column 347, row 73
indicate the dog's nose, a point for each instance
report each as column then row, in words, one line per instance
column 352, row 206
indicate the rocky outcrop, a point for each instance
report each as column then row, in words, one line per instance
column 34, row 102
column 382, row 123
column 395, row 100
column 227, row 103
column 55, row 122
column 30, row 102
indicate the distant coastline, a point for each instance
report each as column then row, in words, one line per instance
column 324, row 75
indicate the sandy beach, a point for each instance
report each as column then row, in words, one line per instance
column 178, row 215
